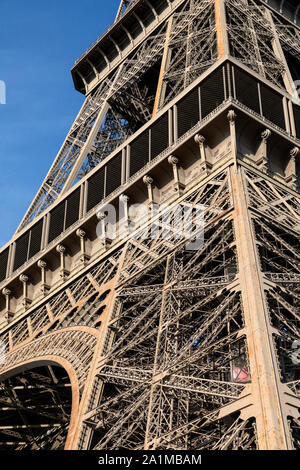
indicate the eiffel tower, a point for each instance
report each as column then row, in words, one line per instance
column 117, row 336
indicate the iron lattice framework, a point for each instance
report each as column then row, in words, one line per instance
column 149, row 340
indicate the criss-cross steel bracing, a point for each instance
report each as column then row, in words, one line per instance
column 150, row 298
column 176, row 51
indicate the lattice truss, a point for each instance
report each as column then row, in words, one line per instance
column 124, row 5
column 124, row 101
column 191, row 51
column 175, row 354
column 289, row 36
column 277, row 232
column 295, row 431
column 35, row 406
column 251, row 39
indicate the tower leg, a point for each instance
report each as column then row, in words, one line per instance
column 271, row 424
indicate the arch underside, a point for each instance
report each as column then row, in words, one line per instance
column 40, row 385
column 35, row 408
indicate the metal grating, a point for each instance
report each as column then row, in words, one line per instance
column 72, row 211
column 57, row 221
column 161, row 6
column 3, row 264
column 95, row 189
column 159, row 135
column 188, row 112
column 212, row 92
column 139, row 153
column 246, row 90
column 35, row 239
column 113, row 174
column 21, row 254
column 272, row 106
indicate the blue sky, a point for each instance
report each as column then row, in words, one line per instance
column 39, row 43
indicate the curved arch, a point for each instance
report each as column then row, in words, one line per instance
column 51, row 360
column 72, row 344
column 70, row 348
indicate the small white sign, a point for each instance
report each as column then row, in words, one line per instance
column 2, row 92
column 296, row 94
column 2, row 353
column 296, row 352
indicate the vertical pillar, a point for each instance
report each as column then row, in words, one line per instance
column 84, row 257
column 8, row 313
column 178, row 186
column 124, row 220
column 262, row 158
column 101, row 216
column 201, row 141
column 61, row 249
column 272, row 427
column 291, row 169
column 44, row 286
column 222, row 36
column 148, row 181
column 154, row 428
column 26, row 301
column 231, row 116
